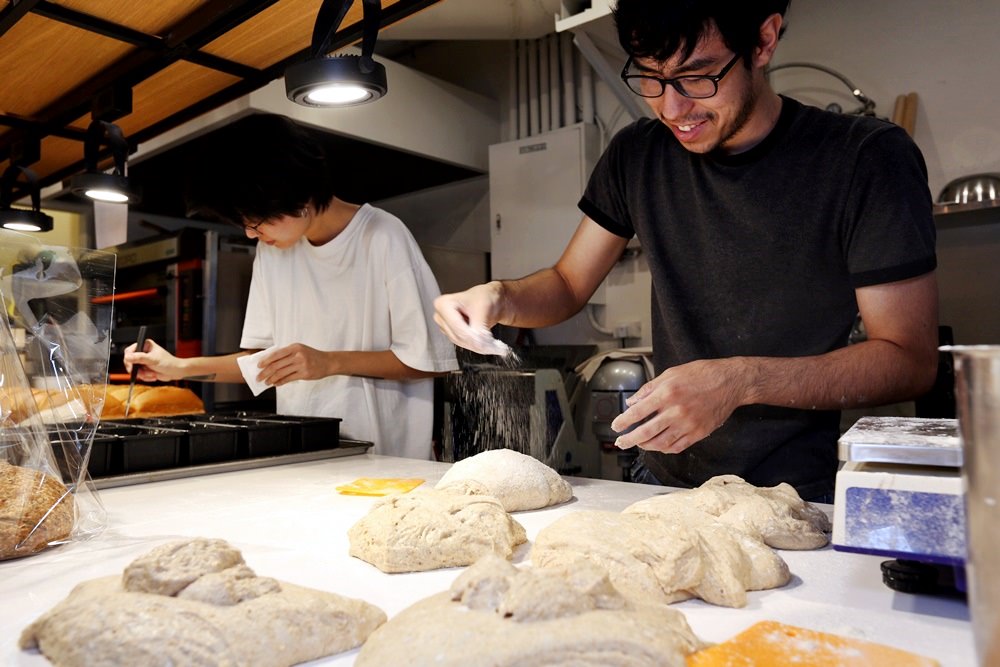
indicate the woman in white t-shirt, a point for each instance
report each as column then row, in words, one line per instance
column 341, row 296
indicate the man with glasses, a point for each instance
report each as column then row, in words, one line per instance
column 768, row 227
column 340, row 294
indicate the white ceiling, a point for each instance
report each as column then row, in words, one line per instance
column 477, row 19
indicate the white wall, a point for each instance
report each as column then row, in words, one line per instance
column 946, row 52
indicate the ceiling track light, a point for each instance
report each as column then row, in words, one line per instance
column 95, row 184
column 18, row 219
column 338, row 81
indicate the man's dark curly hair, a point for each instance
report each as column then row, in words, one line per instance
column 260, row 167
column 659, row 29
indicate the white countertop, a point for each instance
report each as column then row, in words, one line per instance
column 291, row 524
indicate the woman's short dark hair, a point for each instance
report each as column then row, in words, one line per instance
column 260, row 167
column 658, row 29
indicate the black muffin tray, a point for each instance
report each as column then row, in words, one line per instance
column 121, row 447
column 142, row 447
column 269, row 434
column 203, row 442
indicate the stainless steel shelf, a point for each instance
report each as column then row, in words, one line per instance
column 967, row 215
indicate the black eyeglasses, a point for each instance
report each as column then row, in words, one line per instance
column 254, row 226
column 695, row 86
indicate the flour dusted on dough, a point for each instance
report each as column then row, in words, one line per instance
column 530, row 618
column 224, row 615
column 776, row 515
column 430, row 529
column 663, row 559
column 518, row 481
column 170, row 568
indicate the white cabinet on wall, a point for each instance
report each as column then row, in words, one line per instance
column 535, row 185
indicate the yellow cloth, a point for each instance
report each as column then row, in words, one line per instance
column 371, row 486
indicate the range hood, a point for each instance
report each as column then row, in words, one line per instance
column 423, row 133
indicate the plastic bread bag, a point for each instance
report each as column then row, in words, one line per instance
column 54, row 348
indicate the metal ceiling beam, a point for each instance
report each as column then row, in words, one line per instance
column 14, row 12
column 41, row 129
column 143, row 40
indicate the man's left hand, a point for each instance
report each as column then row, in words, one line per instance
column 681, row 406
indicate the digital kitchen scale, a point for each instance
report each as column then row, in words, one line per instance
column 899, row 494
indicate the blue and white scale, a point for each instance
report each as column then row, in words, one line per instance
column 900, row 490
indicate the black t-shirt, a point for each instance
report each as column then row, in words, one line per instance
column 759, row 254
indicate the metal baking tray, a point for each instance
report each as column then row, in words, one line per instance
column 904, row 440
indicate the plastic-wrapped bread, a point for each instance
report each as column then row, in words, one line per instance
column 36, row 511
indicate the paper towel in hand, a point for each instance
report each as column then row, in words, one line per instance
column 250, row 370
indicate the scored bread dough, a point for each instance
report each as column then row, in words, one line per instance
column 529, row 618
column 775, row 515
column 36, row 510
column 518, row 481
column 430, row 529
column 222, row 616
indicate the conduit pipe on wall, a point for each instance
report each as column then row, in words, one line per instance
column 553, row 87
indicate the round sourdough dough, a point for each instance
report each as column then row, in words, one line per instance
column 775, row 515
column 36, row 510
column 663, row 560
column 222, row 616
column 430, row 529
column 518, row 481
column 528, row 618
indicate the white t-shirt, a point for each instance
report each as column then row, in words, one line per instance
column 368, row 289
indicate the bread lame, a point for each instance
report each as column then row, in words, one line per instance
column 140, row 344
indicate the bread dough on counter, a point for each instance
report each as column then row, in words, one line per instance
column 775, row 515
column 430, row 529
column 527, row 618
column 713, row 542
column 518, row 481
column 197, row 603
column 36, row 510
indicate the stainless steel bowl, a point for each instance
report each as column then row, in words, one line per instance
column 977, row 188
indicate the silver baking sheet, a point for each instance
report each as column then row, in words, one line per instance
column 346, row 448
column 911, row 440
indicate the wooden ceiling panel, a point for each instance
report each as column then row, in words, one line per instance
column 58, row 56
column 153, row 17
column 57, row 153
column 170, row 91
column 278, row 32
column 273, row 35
column 41, row 59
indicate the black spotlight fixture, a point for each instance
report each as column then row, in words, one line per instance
column 95, row 184
column 332, row 81
column 19, row 219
